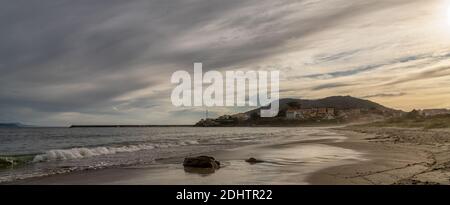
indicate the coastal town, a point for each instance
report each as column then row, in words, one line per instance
column 296, row 114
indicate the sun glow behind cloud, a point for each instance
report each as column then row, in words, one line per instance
column 448, row 14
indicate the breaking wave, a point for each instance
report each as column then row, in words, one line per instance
column 78, row 153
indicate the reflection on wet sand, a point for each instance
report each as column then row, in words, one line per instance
column 200, row 171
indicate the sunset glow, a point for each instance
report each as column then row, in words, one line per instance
column 93, row 68
column 448, row 15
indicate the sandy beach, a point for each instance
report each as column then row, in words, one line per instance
column 337, row 156
column 397, row 156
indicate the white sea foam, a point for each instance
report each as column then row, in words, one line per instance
column 189, row 142
column 78, row 153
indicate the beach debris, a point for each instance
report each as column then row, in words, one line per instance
column 6, row 162
column 252, row 160
column 201, row 162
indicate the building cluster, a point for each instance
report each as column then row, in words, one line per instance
column 322, row 113
column 223, row 120
column 309, row 113
column 434, row 112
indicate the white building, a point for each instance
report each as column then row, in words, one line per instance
column 292, row 114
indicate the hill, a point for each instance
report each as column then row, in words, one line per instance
column 13, row 125
column 337, row 102
column 329, row 110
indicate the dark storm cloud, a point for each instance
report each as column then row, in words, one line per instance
column 330, row 85
column 426, row 58
column 80, row 55
column 384, row 95
column 346, row 72
column 336, row 56
column 50, row 50
column 436, row 72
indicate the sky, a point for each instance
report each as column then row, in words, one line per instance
column 110, row 61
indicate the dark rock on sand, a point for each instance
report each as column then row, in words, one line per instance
column 252, row 160
column 201, row 162
column 200, row 171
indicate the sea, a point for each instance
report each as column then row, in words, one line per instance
column 37, row 152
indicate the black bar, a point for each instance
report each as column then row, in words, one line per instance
column 151, row 194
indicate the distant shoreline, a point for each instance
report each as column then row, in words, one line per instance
column 93, row 126
column 243, row 125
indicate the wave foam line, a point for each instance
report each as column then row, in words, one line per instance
column 78, row 153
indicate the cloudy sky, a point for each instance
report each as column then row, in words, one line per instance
column 68, row 62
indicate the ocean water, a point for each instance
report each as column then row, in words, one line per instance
column 46, row 151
